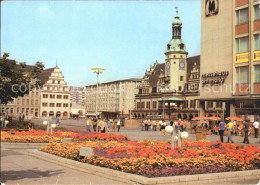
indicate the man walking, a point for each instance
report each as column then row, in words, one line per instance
column 221, row 129
column 246, row 128
column 256, row 126
column 230, row 126
column 118, row 125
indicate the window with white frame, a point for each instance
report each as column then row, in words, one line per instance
column 242, row 45
column 257, row 41
column 242, row 16
column 257, row 12
column 257, row 74
column 242, row 75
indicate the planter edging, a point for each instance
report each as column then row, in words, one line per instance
column 138, row 179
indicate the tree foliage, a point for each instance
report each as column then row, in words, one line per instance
column 17, row 79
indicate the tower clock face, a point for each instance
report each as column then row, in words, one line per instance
column 182, row 65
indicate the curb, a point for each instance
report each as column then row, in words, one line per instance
column 23, row 144
column 216, row 178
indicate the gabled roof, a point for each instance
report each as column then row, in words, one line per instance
column 191, row 61
column 45, row 74
column 154, row 77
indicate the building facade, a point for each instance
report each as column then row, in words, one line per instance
column 52, row 100
column 169, row 90
column 77, row 95
column 113, row 99
column 230, row 57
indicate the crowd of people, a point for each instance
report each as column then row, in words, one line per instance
column 154, row 125
column 237, row 129
column 102, row 125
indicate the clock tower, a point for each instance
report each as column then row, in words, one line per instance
column 175, row 58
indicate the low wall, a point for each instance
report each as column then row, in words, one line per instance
column 215, row 178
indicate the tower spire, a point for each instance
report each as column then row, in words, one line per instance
column 56, row 62
column 177, row 9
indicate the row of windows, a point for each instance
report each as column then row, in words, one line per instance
column 186, row 104
column 242, row 74
column 50, row 88
column 22, row 102
column 44, row 104
column 242, row 15
column 26, row 110
column 242, row 44
column 52, row 96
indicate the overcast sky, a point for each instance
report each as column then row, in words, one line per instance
column 125, row 37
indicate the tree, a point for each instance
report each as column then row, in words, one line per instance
column 17, row 79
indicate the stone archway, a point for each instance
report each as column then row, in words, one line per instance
column 179, row 116
column 51, row 113
column 190, row 117
column 44, row 113
column 65, row 114
column 58, row 114
column 185, row 116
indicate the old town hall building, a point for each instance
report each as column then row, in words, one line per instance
column 169, row 90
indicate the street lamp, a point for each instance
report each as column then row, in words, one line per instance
column 49, row 126
column 97, row 70
column 171, row 130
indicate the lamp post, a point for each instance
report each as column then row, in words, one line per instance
column 97, row 70
column 49, row 126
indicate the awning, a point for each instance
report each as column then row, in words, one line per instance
column 171, row 99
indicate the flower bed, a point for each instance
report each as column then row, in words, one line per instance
column 40, row 136
column 155, row 158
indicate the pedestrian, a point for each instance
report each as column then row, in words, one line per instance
column 20, row 117
column 142, row 124
column 256, row 127
column 23, row 117
column 230, row 126
column 154, row 124
column 221, row 130
column 95, row 124
column 171, row 123
column 145, row 125
column 103, row 126
column 162, row 129
column 184, row 124
column 108, row 125
column 113, row 125
column 30, row 125
column 176, row 126
column 246, row 125
column 99, row 125
column 58, row 121
column 149, row 124
column 118, row 125
column 88, row 124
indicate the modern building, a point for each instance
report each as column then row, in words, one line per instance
column 52, row 100
column 77, row 95
column 169, row 90
column 113, row 99
column 230, row 57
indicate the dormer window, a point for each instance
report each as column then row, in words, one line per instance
column 168, row 46
column 181, row 46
